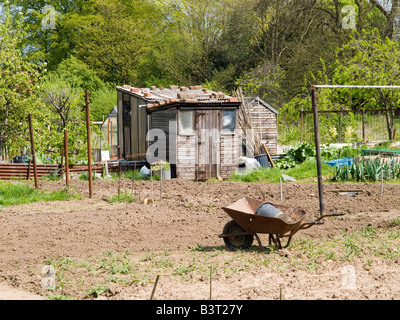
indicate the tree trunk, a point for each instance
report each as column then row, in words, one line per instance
column 389, row 113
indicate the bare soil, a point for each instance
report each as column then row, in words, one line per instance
column 189, row 216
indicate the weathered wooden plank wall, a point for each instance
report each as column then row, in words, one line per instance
column 165, row 120
column 265, row 125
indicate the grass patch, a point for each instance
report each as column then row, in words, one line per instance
column 307, row 169
column 18, row 193
column 133, row 175
column 123, row 197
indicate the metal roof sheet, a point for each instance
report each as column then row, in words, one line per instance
column 163, row 97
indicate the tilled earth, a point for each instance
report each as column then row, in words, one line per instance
column 190, row 215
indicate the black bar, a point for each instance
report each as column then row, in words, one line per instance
column 317, row 149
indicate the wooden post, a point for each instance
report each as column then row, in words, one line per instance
column 62, row 163
column 154, row 287
column 66, row 157
column 108, row 131
column 119, row 180
column 317, row 149
column 111, row 140
column 269, row 156
column 210, row 283
column 89, row 144
column 161, row 178
column 33, row 151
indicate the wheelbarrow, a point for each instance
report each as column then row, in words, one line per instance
column 248, row 221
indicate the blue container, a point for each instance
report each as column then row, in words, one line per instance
column 263, row 160
column 340, row 162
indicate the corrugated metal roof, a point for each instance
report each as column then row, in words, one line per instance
column 163, row 97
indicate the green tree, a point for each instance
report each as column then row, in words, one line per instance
column 373, row 61
column 62, row 109
column 113, row 38
column 19, row 81
column 78, row 75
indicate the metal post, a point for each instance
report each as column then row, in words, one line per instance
column 66, row 157
column 317, row 149
column 33, row 151
column 89, row 145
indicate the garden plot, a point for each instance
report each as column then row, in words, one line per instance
column 103, row 250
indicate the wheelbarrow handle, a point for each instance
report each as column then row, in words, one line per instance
column 309, row 224
column 336, row 214
column 305, row 225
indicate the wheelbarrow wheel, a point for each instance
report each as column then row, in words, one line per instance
column 239, row 241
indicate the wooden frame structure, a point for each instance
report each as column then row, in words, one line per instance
column 316, row 128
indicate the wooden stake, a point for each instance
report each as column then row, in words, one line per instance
column 33, row 151
column 210, row 283
column 133, row 178
column 269, row 156
column 119, row 180
column 281, row 292
column 66, row 157
column 154, row 288
column 280, row 179
column 161, row 178
column 381, row 182
column 89, row 146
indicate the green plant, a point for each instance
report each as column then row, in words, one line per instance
column 371, row 170
column 85, row 176
column 304, row 170
column 59, row 297
column 123, row 197
column 18, row 193
column 394, row 222
column 97, row 290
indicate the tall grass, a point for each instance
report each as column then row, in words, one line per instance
column 18, row 193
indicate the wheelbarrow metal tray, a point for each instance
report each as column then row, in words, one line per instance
column 243, row 212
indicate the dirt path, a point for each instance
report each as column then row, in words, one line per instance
column 9, row 293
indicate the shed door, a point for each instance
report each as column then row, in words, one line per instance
column 207, row 127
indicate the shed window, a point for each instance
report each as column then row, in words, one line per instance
column 229, row 121
column 186, row 122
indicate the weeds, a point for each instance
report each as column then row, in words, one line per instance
column 123, row 197
column 18, row 193
column 304, row 170
column 138, row 269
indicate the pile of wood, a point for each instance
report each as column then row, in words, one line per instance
column 252, row 137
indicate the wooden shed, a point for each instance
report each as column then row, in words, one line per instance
column 192, row 128
column 264, row 122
